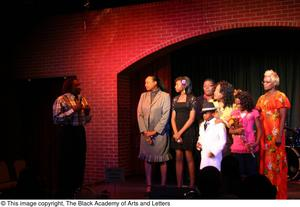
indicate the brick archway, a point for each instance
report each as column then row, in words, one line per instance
column 206, row 32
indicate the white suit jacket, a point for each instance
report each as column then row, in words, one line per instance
column 213, row 140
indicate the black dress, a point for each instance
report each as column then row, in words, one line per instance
column 182, row 110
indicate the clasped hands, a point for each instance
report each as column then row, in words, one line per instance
column 148, row 136
column 78, row 107
column 177, row 137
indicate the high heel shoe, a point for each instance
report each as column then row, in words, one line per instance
column 148, row 189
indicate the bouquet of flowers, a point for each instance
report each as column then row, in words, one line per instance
column 236, row 123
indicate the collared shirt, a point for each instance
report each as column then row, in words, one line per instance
column 205, row 124
column 63, row 113
column 153, row 94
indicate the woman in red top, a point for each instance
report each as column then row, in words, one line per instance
column 273, row 106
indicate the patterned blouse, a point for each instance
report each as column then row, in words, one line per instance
column 63, row 113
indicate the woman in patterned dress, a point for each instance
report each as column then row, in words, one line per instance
column 273, row 106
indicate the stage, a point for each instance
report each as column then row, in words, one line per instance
column 134, row 188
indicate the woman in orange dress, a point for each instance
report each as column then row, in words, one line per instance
column 273, row 106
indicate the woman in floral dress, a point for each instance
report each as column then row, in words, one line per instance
column 273, row 106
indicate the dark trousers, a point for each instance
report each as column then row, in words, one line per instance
column 226, row 150
column 71, row 159
column 247, row 163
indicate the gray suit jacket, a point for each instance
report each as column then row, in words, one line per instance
column 155, row 115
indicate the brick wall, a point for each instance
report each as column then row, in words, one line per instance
column 97, row 45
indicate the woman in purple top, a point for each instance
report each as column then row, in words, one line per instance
column 245, row 140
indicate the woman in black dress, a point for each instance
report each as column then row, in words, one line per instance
column 184, row 128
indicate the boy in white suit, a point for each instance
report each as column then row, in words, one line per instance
column 212, row 138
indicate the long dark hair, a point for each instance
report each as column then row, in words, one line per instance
column 160, row 84
column 227, row 90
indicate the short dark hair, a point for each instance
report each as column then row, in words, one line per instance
column 210, row 80
column 68, row 84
